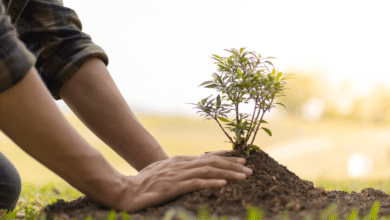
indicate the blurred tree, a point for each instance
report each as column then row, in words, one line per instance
column 376, row 107
column 300, row 88
column 340, row 100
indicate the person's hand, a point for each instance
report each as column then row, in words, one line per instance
column 167, row 179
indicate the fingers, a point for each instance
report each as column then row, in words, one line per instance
column 191, row 185
column 214, row 168
column 220, row 153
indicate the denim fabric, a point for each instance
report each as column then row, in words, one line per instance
column 10, row 184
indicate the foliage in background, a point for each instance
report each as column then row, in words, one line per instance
column 340, row 100
column 244, row 77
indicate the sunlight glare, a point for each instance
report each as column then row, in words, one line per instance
column 313, row 109
column 359, row 165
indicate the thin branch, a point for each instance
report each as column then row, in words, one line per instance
column 259, row 124
column 250, row 126
column 257, row 116
column 231, row 140
column 237, row 112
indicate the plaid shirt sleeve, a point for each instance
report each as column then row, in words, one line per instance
column 53, row 33
column 15, row 58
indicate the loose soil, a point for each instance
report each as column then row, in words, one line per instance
column 271, row 186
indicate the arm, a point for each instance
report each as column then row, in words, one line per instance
column 29, row 116
column 93, row 96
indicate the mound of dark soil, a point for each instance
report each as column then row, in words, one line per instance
column 271, row 186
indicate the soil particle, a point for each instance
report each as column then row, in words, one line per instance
column 271, row 186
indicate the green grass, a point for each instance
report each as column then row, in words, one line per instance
column 34, row 197
column 350, row 185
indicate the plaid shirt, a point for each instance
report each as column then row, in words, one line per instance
column 46, row 34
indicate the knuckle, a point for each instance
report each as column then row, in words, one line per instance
column 208, row 169
column 172, row 173
column 214, row 161
column 183, row 158
column 199, row 182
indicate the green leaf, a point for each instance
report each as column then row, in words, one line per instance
column 211, row 86
column 235, row 51
column 254, row 147
column 374, row 210
column 242, row 49
column 267, row 130
column 280, row 104
column 232, row 124
column 278, row 76
column 353, row 215
column 217, row 56
column 207, row 82
column 223, row 119
column 218, row 101
column 268, row 63
column 238, row 134
column 239, row 72
column 205, row 99
column 222, row 66
column 263, row 121
column 219, row 61
column 112, row 215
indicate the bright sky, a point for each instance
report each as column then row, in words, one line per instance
column 160, row 51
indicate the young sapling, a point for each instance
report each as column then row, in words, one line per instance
column 243, row 77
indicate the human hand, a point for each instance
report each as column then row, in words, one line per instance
column 167, row 179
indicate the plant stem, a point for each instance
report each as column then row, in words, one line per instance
column 237, row 112
column 231, row 140
column 250, row 126
column 262, row 115
column 257, row 116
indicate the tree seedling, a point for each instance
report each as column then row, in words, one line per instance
column 243, row 77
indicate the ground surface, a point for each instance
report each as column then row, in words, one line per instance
column 272, row 186
column 324, row 146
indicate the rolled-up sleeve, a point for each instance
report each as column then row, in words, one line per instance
column 15, row 58
column 53, row 33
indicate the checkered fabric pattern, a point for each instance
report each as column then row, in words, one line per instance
column 46, row 34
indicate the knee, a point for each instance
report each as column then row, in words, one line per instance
column 16, row 188
column 11, row 188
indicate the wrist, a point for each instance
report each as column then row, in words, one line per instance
column 102, row 183
column 127, row 195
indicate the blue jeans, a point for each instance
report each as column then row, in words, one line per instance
column 10, row 184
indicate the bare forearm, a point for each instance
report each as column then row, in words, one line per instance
column 93, row 96
column 29, row 116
